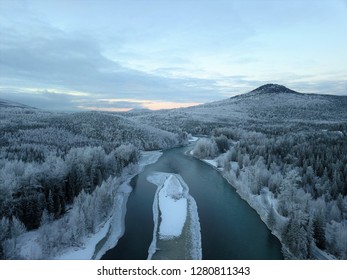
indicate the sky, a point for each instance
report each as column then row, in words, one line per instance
column 156, row 54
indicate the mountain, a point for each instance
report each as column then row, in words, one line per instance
column 10, row 104
column 272, row 88
column 276, row 102
column 271, row 104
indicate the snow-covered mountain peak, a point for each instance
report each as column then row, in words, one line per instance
column 272, row 88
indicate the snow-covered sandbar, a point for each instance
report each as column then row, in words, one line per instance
column 176, row 233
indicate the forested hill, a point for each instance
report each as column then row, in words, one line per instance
column 278, row 103
column 272, row 104
column 10, row 104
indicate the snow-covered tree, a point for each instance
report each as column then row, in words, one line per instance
column 205, row 148
column 17, row 227
column 271, row 218
column 319, row 226
column 297, row 235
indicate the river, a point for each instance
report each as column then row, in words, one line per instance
column 230, row 228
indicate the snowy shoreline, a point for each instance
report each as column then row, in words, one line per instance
column 108, row 235
column 108, row 232
column 114, row 228
column 261, row 203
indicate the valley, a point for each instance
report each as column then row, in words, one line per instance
column 283, row 151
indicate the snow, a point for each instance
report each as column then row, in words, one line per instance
column 193, row 139
column 234, row 166
column 322, row 255
column 173, row 208
column 175, row 218
column 260, row 203
column 93, row 246
column 149, row 157
column 109, row 234
column 87, row 251
column 115, row 227
column 29, row 248
column 211, row 162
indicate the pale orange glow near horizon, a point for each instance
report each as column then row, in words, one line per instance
column 145, row 104
column 168, row 105
column 105, row 109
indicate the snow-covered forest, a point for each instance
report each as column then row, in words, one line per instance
column 284, row 152
column 64, row 169
column 296, row 182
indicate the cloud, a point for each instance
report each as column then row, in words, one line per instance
column 121, row 105
column 53, row 68
column 334, row 87
column 52, row 58
column 77, row 101
column 56, row 58
column 42, row 100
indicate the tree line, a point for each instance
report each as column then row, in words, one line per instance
column 305, row 173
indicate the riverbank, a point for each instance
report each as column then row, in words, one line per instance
column 92, row 246
column 260, row 203
column 263, row 204
column 114, row 228
column 107, row 237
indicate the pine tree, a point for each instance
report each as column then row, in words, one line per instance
column 5, row 229
column 297, row 235
column 319, row 230
column 50, row 202
column 17, row 227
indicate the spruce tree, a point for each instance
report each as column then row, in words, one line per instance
column 319, row 229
